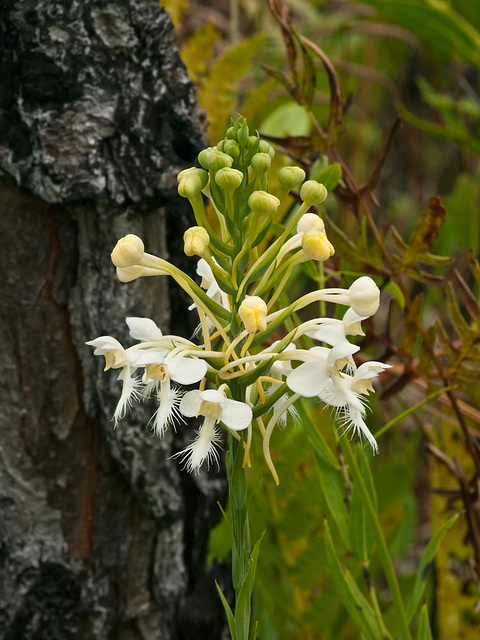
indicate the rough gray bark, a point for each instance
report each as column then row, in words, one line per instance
column 101, row 535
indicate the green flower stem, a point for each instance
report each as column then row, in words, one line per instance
column 238, row 513
column 383, row 552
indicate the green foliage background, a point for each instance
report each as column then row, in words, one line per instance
column 420, row 60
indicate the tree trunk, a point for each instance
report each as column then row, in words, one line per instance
column 102, row 536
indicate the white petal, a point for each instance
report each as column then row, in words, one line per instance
column 332, row 333
column 370, row 370
column 191, row 403
column 149, row 356
column 186, row 370
column 212, row 395
column 309, row 379
column 204, row 270
column 342, row 350
column 143, row 329
column 236, row 415
column 103, row 343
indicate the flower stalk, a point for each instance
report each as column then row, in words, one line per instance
column 246, row 378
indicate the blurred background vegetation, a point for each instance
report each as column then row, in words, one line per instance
column 336, row 104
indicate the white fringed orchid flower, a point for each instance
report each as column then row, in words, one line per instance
column 116, row 357
column 210, row 284
column 215, row 407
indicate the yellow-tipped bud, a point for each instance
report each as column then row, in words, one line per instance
column 313, row 192
column 261, row 162
column 316, row 245
column 253, row 313
column 191, row 182
column 128, row 251
column 364, row 296
column 228, row 179
column 310, row 221
column 196, row 240
column 291, row 177
column 263, row 203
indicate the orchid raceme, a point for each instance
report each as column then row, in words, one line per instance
column 241, row 281
column 242, row 358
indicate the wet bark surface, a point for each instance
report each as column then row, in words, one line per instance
column 101, row 534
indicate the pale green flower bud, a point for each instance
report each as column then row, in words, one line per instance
column 263, row 203
column 195, row 240
column 313, row 192
column 316, row 245
column 253, row 313
column 229, row 147
column 204, row 156
column 228, row 179
column 264, row 147
column 230, row 133
column 291, row 177
column 218, row 160
column 192, row 183
column 128, row 251
column 192, row 171
column 252, row 141
column 364, row 296
column 261, row 162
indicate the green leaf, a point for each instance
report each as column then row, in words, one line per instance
column 228, row 611
column 315, row 436
column 425, row 566
column 428, row 227
column 330, row 475
column 410, row 331
column 362, row 533
column 333, row 488
column 356, row 604
column 289, row 119
column 243, row 607
column 455, row 316
column 424, row 631
column 330, row 176
column 394, row 289
column 437, row 23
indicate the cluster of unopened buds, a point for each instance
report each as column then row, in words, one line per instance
column 245, row 379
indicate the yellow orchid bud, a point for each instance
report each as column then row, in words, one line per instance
column 316, row 245
column 263, row 203
column 253, row 313
column 128, row 251
column 191, row 182
column 310, row 221
column 313, row 192
column 128, row 274
column 196, row 240
column 291, row 177
column 228, row 179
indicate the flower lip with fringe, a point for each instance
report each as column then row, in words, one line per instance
column 214, row 406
